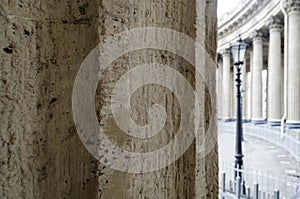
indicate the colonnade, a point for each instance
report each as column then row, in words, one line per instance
column 283, row 91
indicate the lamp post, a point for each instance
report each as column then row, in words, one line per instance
column 238, row 51
column 242, row 96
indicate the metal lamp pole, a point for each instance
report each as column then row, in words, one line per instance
column 238, row 142
column 242, row 96
column 238, row 51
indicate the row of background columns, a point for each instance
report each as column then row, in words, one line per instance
column 252, row 80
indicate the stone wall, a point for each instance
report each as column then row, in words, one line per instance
column 43, row 44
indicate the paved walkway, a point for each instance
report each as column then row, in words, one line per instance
column 258, row 154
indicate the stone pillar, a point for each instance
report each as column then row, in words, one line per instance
column 257, row 104
column 43, row 44
column 220, row 89
column 227, row 85
column 249, row 76
column 265, row 94
column 249, row 96
column 234, row 89
column 293, row 70
column 244, row 90
column 274, row 73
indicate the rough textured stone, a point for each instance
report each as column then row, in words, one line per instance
column 43, row 44
column 42, row 156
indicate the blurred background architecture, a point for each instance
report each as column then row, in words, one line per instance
column 271, row 83
column 270, row 96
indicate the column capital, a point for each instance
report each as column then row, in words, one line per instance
column 225, row 52
column 256, row 36
column 292, row 6
column 275, row 23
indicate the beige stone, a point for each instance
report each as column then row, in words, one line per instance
column 43, row 44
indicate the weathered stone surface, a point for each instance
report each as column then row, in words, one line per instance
column 41, row 154
column 43, row 44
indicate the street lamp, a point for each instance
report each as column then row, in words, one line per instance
column 238, row 51
column 242, row 96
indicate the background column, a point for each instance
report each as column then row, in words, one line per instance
column 257, row 79
column 233, row 92
column 227, row 83
column 249, row 96
column 249, row 76
column 293, row 110
column 220, row 89
column 244, row 90
column 274, row 73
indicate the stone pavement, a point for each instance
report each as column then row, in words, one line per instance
column 258, row 155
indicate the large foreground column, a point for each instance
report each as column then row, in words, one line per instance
column 227, row 86
column 275, row 73
column 44, row 43
column 293, row 73
column 257, row 116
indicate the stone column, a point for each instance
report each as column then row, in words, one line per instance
column 244, row 90
column 293, row 71
column 233, row 91
column 257, row 79
column 249, row 96
column 274, row 73
column 44, row 43
column 264, row 94
column 249, row 76
column 220, row 89
column 227, row 85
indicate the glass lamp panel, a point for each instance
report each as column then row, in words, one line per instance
column 235, row 53
column 242, row 53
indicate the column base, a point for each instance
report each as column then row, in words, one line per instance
column 227, row 120
column 245, row 120
column 292, row 125
column 258, row 121
column 274, row 123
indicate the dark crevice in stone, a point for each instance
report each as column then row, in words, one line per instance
column 53, row 100
column 26, row 32
column 8, row 49
column 83, row 8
